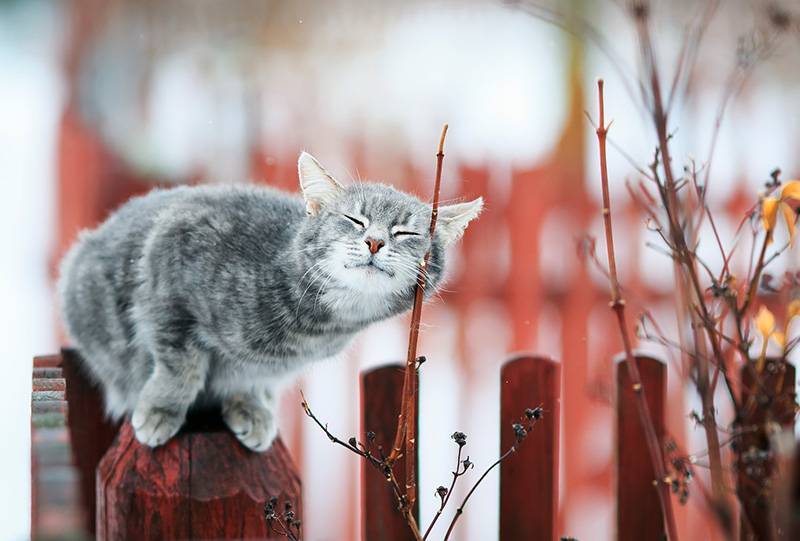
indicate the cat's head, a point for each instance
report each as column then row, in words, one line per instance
column 370, row 238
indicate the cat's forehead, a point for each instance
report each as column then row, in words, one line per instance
column 378, row 201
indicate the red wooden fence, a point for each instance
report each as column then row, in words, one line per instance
column 203, row 484
column 381, row 394
column 638, row 508
column 529, row 479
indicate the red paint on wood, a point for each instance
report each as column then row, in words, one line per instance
column 47, row 361
column 773, row 401
column 381, row 394
column 203, row 484
column 529, row 478
column 638, row 509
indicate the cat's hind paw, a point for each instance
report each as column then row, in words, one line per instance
column 155, row 426
column 251, row 423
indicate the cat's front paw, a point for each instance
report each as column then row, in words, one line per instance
column 154, row 426
column 253, row 424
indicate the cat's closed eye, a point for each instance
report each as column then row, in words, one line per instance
column 408, row 233
column 354, row 220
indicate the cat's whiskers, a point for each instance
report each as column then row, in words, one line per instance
column 321, row 289
column 318, row 273
column 312, row 267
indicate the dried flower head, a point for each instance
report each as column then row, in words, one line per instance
column 534, row 414
column 460, row 438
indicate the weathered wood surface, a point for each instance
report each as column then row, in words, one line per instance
column 529, row 478
column 203, row 484
column 381, row 394
column 638, row 509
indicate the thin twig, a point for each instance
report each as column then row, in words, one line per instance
column 456, row 474
column 460, row 509
column 618, row 307
column 379, row 463
column 521, row 431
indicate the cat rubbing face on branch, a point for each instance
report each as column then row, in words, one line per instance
column 216, row 296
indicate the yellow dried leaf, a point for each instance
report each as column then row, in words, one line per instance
column 790, row 217
column 793, row 309
column 791, row 190
column 779, row 338
column 769, row 212
column 765, row 321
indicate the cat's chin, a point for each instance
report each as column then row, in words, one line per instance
column 371, row 268
column 369, row 279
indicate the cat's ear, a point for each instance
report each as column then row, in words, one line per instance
column 318, row 186
column 453, row 219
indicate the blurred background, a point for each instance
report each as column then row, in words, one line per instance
column 104, row 99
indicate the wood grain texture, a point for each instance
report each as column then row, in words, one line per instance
column 381, row 395
column 638, row 509
column 771, row 402
column 202, row 484
column 529, row 477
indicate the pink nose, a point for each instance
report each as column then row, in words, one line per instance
column 374, row 245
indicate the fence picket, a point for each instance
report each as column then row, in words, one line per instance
column 638, row 510
column 381, row 394
column 529, row 478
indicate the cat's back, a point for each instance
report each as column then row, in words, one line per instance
column 103, row 268
column 244, row 209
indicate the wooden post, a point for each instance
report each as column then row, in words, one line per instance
column 381, row 394
column 202, row 484
column 529, row 479
column 638, row 509
column 772, row 402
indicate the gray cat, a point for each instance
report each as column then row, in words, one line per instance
column 216, row 296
